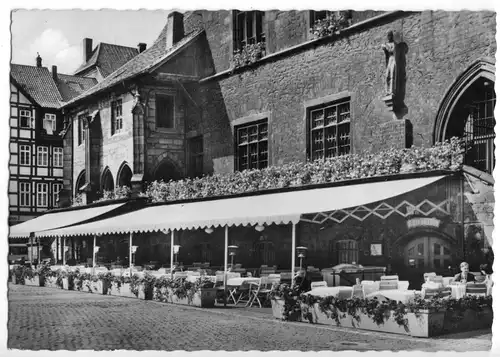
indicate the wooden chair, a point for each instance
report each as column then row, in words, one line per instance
column 476, row 289
column 318, row 284
column 388, row 285
column 480, row 278
column 358, row 291
column 389, row 278
column 259, row 290
column 429, row 293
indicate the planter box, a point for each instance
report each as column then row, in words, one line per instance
column 467, row 321
column 35, row 281
column 14, row 279
column 50, row 282
column 94, row 287
column 423, row 324
column 204, row 297
column 277, row 306
column 68, row 285
column 125, row 291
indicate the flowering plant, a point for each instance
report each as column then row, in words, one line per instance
column 331, row 24
column 118, row 193
column 444, row 156
column 248, row 54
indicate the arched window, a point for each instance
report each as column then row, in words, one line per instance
column 80, row 182
column 467, row 111
column 107, row 183
column 166, row 171
column 473, row 119
column 124, row 176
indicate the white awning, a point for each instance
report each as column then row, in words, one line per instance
column 278, row 208
column 58, row 219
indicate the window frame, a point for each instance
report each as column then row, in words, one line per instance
column 340, row 144
column 237, row 144
column 29, row 118
column 351, row 253
column 42, row 156
column 171, row 97
column 52, row 118
column 194, row 156
column 241, row 28
column 26, row 152
column 24, row 196
column 81, row 129
column 58, row 152
column 55, row 193
column 42, row 194
column 116, row 118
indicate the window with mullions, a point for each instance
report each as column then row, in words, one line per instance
column 81, row 129
column 479, row 132
column 251, row 146
column 347, row 251
column 249, row 29
column 24, row 194
column 116, row 116
column 42, row 194
column 330, row 130
column 26, row 120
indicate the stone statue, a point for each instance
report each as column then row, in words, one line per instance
column 390, row 62
column 395, row 73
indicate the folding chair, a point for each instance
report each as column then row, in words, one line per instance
column 476, row 289
column 259, row 290
column 388, row 285
column 358, row 291
column 318, row 284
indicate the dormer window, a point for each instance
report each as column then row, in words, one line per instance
column 49, row 123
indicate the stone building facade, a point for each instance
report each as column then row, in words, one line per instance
column 303, row 98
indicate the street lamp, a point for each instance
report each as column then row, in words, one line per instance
column 209, row 230
column 259, row 228
column 301, row 251
column 176, row 252
column 232, row 253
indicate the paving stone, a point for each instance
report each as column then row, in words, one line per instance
column 52, row 319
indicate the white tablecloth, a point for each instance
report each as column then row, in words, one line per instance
column 194, row 278
column 240, row 281
column 399, row 295
column 340, row 291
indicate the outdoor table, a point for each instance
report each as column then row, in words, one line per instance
column 340, row 291
column 194, row 278
column 234, row 284
column 403, row 296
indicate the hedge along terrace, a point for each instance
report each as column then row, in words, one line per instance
column 443, row 156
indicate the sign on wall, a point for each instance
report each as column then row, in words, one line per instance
column 376, row 249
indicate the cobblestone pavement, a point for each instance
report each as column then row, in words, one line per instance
column 50, row 319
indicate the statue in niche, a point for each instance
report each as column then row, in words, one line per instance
column 390, row 63
column 395, row 51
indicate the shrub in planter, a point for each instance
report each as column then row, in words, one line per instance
column 285, row 302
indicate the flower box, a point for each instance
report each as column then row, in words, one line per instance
column 35, row 281
column 68, row 284
column 468, row 320
column 50, row 282
column 278, row 306
column 423, row 324
column 90, row 286
column 203, row 297
column 125, row 291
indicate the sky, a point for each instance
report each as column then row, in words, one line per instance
column 58, row 34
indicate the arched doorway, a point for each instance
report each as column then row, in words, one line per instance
column 467, row 111
column 107, row 183
column 124, row 176
column 80, row 182
column 428, row 253
column 166, row 171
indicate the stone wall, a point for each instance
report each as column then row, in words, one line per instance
column 441, row 46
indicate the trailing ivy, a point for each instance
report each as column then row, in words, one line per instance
column 378, row 310
column 331, row 24
column 248, row 54
column 443, row 156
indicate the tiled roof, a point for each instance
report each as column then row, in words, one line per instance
column 108, row 58
column 72, row 86
column 140, row 64
column 38, row 83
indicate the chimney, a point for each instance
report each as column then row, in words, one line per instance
column 175, row 28
column 38, row 60
column 141, row 47
column 87, row 49
column 54, row 73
